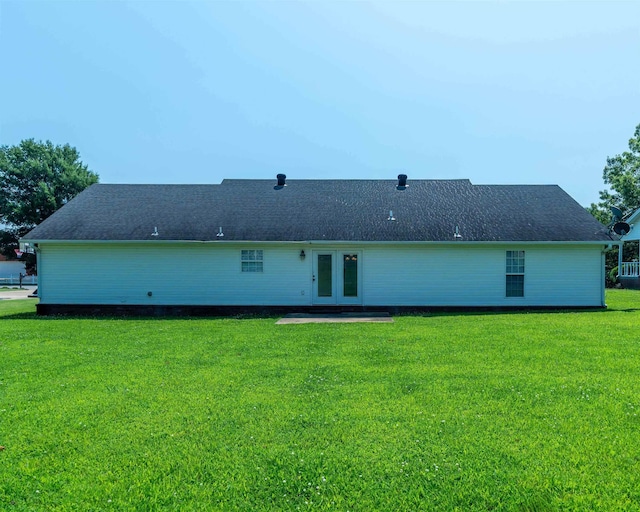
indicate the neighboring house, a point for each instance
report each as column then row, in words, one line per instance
column 629, row 271
column 10, row 270
column 319, row 244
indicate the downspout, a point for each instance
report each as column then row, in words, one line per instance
column 603, row 277
column 38, row 269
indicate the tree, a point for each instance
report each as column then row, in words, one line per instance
column 36, row 178
column 622, row 174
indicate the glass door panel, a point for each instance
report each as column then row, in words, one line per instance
column 350, row 275
column 325, row 275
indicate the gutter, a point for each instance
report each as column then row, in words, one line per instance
column 323, row 242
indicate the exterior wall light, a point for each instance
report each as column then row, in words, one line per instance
column 302, row 255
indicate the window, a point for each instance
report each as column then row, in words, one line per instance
column 252, row 260
column 515, row 273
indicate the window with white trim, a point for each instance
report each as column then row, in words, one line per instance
column 252, row 260
column 515, row 274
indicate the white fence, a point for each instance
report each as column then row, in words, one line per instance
column 12, row 280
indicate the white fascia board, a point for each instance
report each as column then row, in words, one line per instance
column 321, row 242
column 461, row 242
column 155, row 242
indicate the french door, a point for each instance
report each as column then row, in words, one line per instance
column 337, row 277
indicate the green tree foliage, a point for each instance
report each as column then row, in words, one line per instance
column 36, row 178
column 622, row 174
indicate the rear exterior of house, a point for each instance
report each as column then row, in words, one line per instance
column 439, row 275
column 319, row 245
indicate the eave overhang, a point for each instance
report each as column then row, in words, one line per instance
column 324, row 242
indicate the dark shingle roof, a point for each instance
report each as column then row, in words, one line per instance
column 343, row 210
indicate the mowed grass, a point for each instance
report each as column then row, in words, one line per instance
column 497, row 411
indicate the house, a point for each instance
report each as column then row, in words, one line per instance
column 306, row 245
column 10, row 271
column 629, row 271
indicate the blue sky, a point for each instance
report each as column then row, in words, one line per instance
column 195, row 92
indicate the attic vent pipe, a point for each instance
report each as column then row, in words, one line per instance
column 282, row 178
column 402, row 182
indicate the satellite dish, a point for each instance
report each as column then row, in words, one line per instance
column 617, row 213
column 621, row 228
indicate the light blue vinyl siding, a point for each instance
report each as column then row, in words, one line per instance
column 189, row 274
column 465, row 275
column 407, row 275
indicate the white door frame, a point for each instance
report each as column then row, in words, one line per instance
column 337, row 291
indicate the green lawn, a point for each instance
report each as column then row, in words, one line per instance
column 509, row 411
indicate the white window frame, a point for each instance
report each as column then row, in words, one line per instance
column 252, row 260
column 515, row 266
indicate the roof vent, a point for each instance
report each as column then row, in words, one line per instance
column 456, row 233
column 155, row 231
column 402, row 182
column 282, row 178
column 220, row 234
column 391, row 217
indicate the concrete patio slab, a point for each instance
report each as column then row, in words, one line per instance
column 16, row 293
column 319, row 318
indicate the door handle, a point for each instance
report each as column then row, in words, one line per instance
column 314, row 278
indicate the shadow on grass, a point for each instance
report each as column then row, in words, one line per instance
column 418, row 314
column 616, row 306
column 20, row 316
column 628, row 304
column 185, row 318
column 524, row 311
